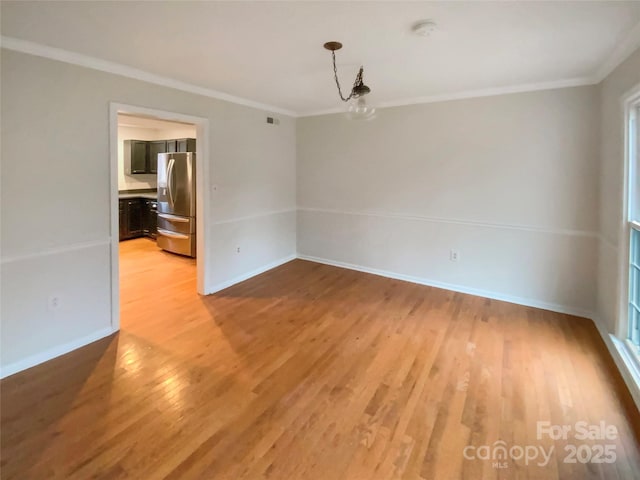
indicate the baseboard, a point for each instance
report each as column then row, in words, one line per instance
column 54, row 352
column 616, row 347
column 618, row 352
column 554, row 307
column 248, row 275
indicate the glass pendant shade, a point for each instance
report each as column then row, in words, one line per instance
column 359, row 109
column 357, row 106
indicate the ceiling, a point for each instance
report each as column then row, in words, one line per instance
column 271, row 52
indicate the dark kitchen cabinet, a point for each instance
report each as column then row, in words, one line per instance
column 123, row 219
column 155, row 147
column 130, row 218
column 138, row 217
column 186, row 145
column 150, row 222
column 136, row 156
column 134, row 217
column 141, row 157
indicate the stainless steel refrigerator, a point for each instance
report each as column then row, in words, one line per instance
column 177, row 203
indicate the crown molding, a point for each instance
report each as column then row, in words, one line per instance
column 61, row 55
column 620, row 53
column 465, row 94
column 629, row 44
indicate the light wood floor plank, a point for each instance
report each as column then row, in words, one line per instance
column 312, row 372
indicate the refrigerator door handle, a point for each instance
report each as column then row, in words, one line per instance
column 167, row 233
column 170, row 179
column 173, row 218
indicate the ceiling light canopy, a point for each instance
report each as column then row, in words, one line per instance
column 358, row 108
column 424, row 28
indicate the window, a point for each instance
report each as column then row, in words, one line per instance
column 633, row 189
column 634, row 286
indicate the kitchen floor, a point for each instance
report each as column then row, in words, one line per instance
column 147, row 274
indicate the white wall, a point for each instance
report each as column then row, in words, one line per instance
column 176, row 131
column 519, row 184
column 56, row 204
column 509, row 181
column 612, row 90
column 131, row 182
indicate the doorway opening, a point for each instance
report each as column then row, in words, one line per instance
column 158, row 205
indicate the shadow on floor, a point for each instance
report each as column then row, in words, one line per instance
column 35, row 401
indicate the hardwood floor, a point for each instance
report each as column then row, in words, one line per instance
column 315, row 372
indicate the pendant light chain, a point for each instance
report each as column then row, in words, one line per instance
column 358, row 109
column 335, row 74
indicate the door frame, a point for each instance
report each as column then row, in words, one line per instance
column 202, row 195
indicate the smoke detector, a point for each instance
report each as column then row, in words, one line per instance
column 424, row 28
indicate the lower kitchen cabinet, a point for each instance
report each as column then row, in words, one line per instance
column 130, row 218
column 134, row 217
column 150, row 218
column 137, row 218
column 123, row 219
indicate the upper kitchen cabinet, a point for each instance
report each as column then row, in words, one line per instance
column 141, row 156
column 186, row 145
column 136, row 156
column 156, row 147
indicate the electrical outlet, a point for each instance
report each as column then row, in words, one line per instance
column 53, row 303
column 237, row 249
column 454, row 255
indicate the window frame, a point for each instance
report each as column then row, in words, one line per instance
column 631, row 109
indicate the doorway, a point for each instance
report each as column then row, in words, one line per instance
column 134, row 131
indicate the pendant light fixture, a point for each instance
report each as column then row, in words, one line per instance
column 357, row 106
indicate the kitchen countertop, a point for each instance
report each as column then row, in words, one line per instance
column 150, row 195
